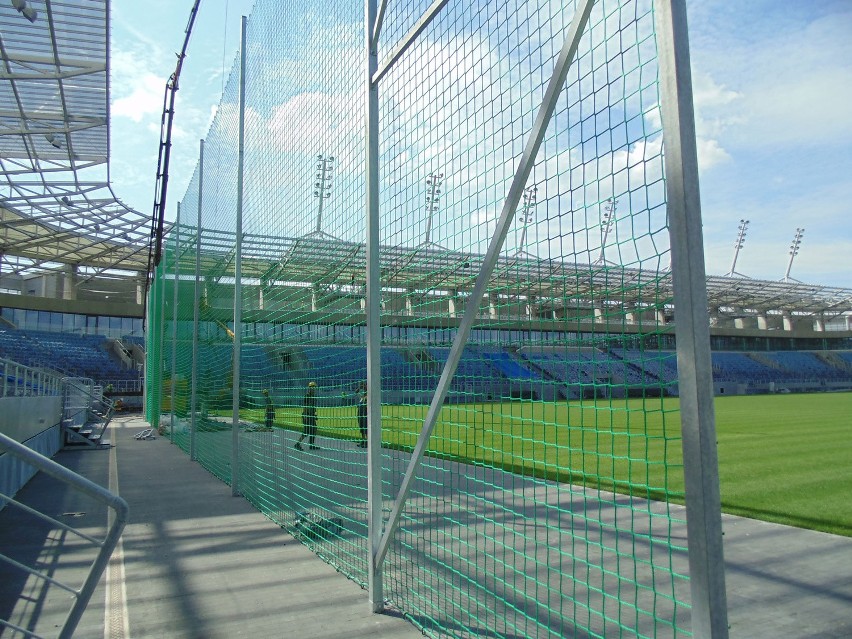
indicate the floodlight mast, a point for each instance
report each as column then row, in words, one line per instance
column 322, row 186
column 433, row 201
column 741, row 234
column 794, row 251
column 527, row 214
column 607, row 222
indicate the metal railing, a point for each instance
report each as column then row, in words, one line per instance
column 82, row 594
column 25, row 381
column 84, row 410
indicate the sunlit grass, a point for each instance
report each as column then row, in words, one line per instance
column 782, row 458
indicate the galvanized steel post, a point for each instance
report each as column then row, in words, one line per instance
column 196, row 311
column 692, row 326
column 374, row 297
column 238, row 290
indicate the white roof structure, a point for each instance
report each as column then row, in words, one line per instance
column 57, row 207
column 330, row 263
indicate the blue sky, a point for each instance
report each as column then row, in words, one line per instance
column 773, row 89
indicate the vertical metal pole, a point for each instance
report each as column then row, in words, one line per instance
column 238, row 289
column 161, row 336
column 175, row 282
column 149, row 338
column 196, row 311
column 692, row 327
column 374, row 329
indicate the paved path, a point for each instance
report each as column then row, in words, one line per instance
column 197, row 563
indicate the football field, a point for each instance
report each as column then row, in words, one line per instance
column 782, row 458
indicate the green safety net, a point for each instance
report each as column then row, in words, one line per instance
column 548, row 503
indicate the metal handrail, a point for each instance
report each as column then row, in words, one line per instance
column 19, row 380
column 44, row 378
column 84, row 593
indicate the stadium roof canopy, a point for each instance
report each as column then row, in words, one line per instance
column 329, row 263
column 57, row 207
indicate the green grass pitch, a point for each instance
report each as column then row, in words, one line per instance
column 782, row 458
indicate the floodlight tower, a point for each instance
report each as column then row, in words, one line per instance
column 527, row 214
column 607, row 222
column 322, row 186
column 794, row 251
column 433, row 201
column 741, row 234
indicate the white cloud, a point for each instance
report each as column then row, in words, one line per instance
column 787, row 85
column 296, row 125
column 145, row 99
column 714, row 104
column 710, row 153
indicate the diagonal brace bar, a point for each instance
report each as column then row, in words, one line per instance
column 409, row 39
column 377, row 26
column 548, row 105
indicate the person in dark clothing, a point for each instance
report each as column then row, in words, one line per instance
column 270, row 410
column 362, row 417
column 309, row 417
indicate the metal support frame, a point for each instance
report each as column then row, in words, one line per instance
column 692, row 326
column 160, row 273
column 175, row 282
column 510, row 205
column 406, row 42
column 196, row 310
column 238, row 288
column 373, row 311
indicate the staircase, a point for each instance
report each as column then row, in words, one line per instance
column 86, row 413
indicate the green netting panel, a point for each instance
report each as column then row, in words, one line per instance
column 547, row 504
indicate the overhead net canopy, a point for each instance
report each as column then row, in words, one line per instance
column 57, row 208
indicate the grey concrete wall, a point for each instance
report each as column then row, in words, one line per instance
column 24, row 417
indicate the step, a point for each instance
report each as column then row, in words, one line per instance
column 86, row 433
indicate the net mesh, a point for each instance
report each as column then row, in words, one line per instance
column 546, row 505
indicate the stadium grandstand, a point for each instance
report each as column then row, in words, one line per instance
column 231, row 316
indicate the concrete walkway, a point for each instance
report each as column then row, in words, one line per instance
column 197, row 563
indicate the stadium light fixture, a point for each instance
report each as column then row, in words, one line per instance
column 607, row 222
column 433, row 201
column 322, row 186
column 526, row 214
column 54, row 140
column 22, row 7
column 741, row 234
column 794, row 251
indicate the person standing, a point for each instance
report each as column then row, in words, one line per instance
column 362, row 417
column 270, row 410
column 309, row 418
